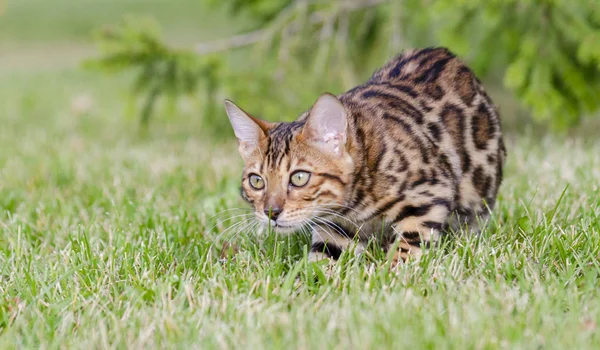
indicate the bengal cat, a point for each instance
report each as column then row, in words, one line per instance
column 415, row 151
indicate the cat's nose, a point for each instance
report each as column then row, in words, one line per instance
column 273, row 212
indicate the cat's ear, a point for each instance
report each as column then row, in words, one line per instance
column 327, row 124
column 249, row 131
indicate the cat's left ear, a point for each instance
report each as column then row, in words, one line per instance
column 249, row 131
column 326, row 125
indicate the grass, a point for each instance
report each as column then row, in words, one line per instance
column 108, row 240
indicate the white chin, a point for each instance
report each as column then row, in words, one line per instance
column 278, row 228
column 281, row 229
column 285, row 229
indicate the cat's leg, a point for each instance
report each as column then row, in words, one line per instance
column 469, row 221
column 329, row 243
column 418, row 226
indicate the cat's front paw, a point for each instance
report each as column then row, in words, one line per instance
column 396, row 260
column 403, row 255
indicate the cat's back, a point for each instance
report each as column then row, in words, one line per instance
column 427, row 106
column 428, row 88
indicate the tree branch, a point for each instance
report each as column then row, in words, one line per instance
column 260, row 35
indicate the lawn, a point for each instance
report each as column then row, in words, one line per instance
column 109, row 239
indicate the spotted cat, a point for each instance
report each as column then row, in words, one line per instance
column 414, row 152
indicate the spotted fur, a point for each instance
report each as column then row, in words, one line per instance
column 415, row 151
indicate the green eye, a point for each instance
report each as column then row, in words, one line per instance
column 299, row 178
column 256, row 182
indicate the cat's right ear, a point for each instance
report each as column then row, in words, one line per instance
column 326, row 125
column 249, row 131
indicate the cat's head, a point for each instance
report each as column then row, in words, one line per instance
column 294, row 172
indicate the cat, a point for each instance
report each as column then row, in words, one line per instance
column 414, row 152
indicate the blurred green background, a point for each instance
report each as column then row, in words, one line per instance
column 175, row 61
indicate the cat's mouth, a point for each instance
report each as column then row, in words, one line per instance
column 283, row 224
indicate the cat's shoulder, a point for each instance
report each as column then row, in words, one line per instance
column 418, row 66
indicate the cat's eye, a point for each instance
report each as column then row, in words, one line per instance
column 299, row 178
column 256, row 182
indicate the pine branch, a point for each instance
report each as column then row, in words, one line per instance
column 265, row 34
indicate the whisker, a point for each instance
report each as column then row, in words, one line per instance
column 248, row 227
column 335, row 206
column 304, row 230
column 305, row 227
column 310, row 223
column 235, row 226
column 336, row 215
column 331, row 208
column 341, row 218
column 228, row 210
column 336, row 228
column 229, row 219
column 323, row 229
